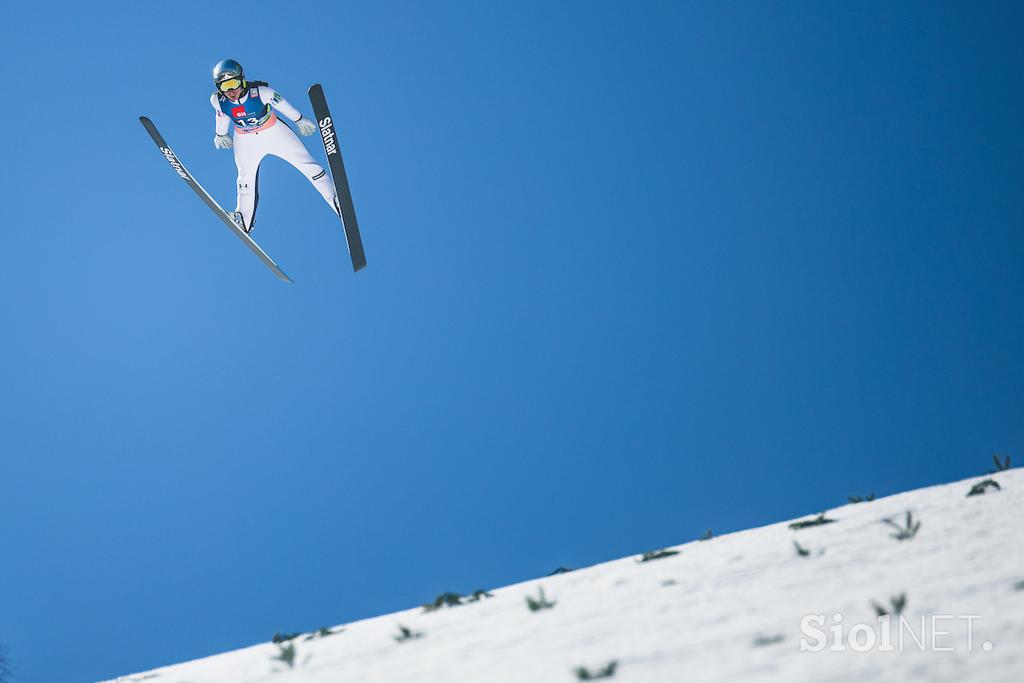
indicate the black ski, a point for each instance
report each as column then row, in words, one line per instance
column 330, row 139
column 183, row 172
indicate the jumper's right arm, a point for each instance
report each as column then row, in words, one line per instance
column 222, row 124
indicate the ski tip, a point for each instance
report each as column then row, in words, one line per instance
column 314, row 87
column 144, row 119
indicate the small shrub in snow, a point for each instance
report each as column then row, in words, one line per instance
column 657, row 555
column 405, row 634
column 539, row 603
column 560, row 570
column 322, row 632
column 284, row 637
column 861, row 499
column 1019, row 586
column 983, row 487
column 908, row 530
column 607, row 671
column 454, row 600
column 286, row 654
column 764, row 641
column 896, row 606
column 817, row 521
column 898, row 603
column 1001, row 465
column 442, row 600
column 707, row 536
column 800, row 550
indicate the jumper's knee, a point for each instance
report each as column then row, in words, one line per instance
column 246, row 185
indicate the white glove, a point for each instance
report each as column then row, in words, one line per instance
column 305, row 126
column 222, row 142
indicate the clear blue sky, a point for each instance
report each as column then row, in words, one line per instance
column 635, row 270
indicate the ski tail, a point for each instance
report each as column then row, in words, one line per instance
column 329, row 136
column 185, row 175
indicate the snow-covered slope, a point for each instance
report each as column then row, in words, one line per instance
column 727, row 609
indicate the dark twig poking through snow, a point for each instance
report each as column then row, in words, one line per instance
column 322, row 632
column 286, row 654
column 908, row 530
column 405, row 634
column 455, row 599
column 607, row 671
column 764, row 641
column 817, row 521
column 539, row 603
column 443, row 600
column 983, row 487
column 1001, row 465
column 657, row 555
column 897, row 604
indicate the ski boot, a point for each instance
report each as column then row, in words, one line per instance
column 236, row 218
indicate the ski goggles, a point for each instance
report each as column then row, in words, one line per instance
column 230, row 84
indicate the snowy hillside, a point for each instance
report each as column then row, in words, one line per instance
column 733, row 608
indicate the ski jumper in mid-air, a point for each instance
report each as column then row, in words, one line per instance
column 252, row 108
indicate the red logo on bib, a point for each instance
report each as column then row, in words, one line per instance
column 238, row 112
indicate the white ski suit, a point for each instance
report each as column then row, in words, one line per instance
column 259, row 133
